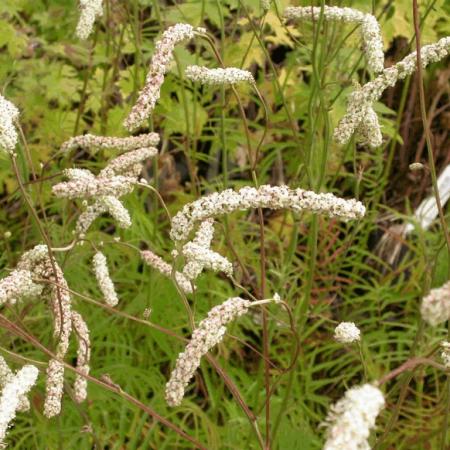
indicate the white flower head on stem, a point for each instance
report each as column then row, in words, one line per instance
column 346, row 333
column 12, row 396
column 350, row 420
column 435, row 307
column 8, row 133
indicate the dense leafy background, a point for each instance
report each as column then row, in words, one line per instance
column 327, row 271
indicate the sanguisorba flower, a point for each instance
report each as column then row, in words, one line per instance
column 159, row 65
column 219, row 76
column 94, row 143
column 359, row 117
column 346, row 333
column 8, row 133
column 89, row 11
column 104, row 280
column 350, row 420
column 83, row 356
column 12, row 396
column 199, row 256
column 208, row 334
column 266, row 196
column 369, row 26
column 117, row 179
column 435, row 307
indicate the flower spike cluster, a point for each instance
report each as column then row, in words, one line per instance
column 217, row 77
column 104, row 280
column 94, row 143
column 159, row 65
column 266, row 196
column 370, row 28
column 435, row 307
column 38, row 262
column 89, row 11
column 8, row 134
column 209, row 333
column 360, row 117
column 12, row 397
column 352, row 417
column 45, row 276
column 117, row 179
column 155, row 261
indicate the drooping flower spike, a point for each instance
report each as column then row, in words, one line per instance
column 83, row 356
column 360, row 117
column 49, row 274
column 266, row 196
column 94, row 143
column 159, row 65
column 104, row 280
column 369, row 26
column 209, row 333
